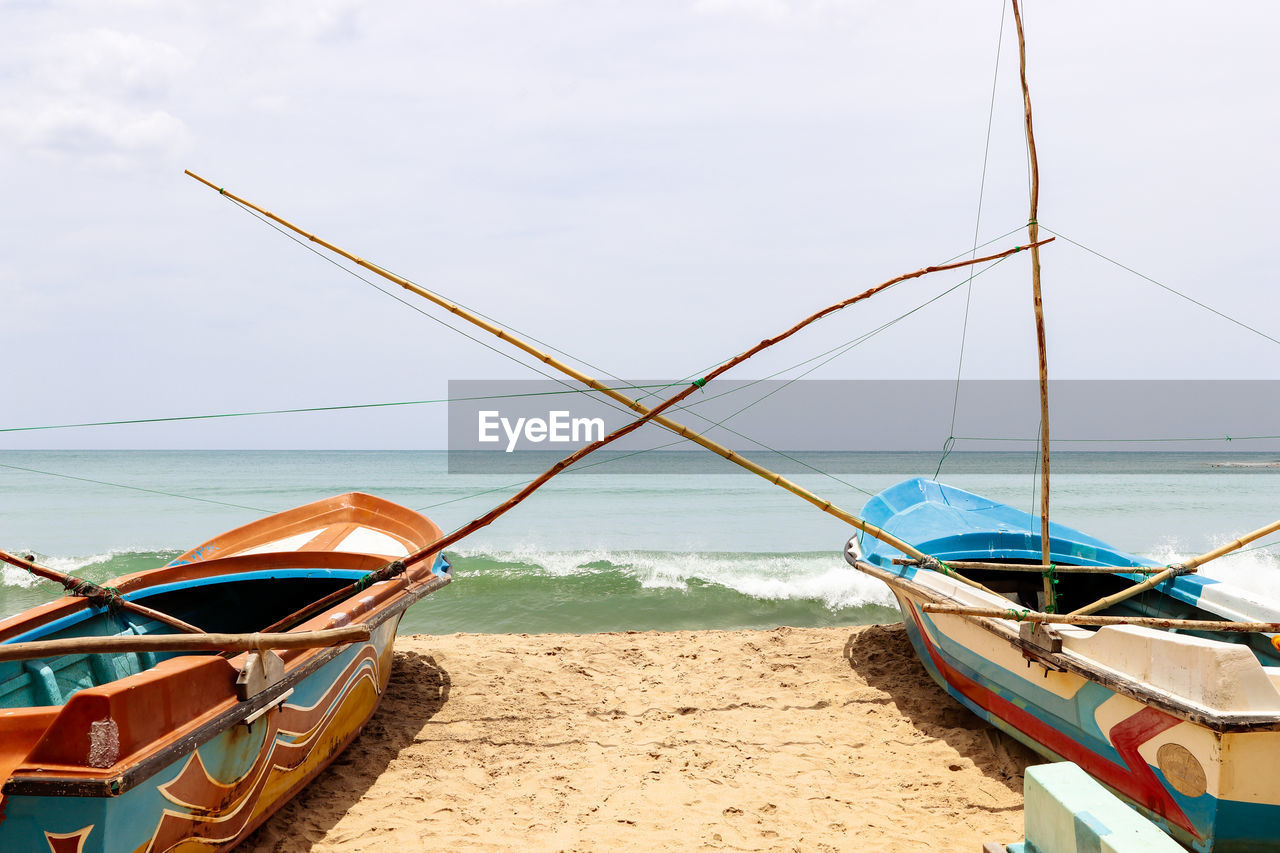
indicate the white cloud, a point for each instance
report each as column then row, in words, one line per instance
column 322, row 20
column 102, row 134
column 97, row 97
column 772, row 10
column 777, row 10
column 107, row 62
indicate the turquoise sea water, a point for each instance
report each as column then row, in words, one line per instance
column 694, row 545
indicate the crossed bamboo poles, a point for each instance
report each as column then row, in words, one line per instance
column 657, row 417
column 102, row 596
column 645, row 412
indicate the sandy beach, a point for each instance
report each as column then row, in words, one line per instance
column 790, row 739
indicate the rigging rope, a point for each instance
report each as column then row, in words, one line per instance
column 1175, row 292
column 138, row 489
column 968, row 297
column 316, row 409
column 557, row 379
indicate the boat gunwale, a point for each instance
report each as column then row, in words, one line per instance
column 374, row 606
column 43, row 619
column 1217, row 721
column 311, row 660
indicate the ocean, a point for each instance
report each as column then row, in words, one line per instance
column 660, row 541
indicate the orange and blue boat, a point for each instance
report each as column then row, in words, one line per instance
column 164, row 751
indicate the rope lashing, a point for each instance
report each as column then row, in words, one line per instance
column 1051, row 576
column 101, row 597
column 1017, row 615
column 698, row 383
column 936, row 565
column 387, row 572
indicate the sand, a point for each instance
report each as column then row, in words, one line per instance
column 791, row 739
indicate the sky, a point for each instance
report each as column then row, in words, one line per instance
column 652, row 187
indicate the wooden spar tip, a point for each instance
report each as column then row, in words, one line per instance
column 1017, row 614
column 184, row 643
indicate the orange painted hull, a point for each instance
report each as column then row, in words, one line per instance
column 165, row 755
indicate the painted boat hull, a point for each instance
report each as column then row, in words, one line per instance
column 171, row 758
column 1204, row 772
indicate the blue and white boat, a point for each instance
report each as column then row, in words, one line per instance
column 1185, row 725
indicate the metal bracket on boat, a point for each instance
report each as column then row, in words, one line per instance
column 263, row 669
column 853, row 548
column 261, row 712
column 1039, row 643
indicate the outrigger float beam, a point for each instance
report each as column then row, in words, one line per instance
column 184, row 643
column 595, row 384
column 1017, row 614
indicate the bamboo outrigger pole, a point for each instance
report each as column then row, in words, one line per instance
column 595, row 384
column 1033, row 231
column 655, row 414
column 184, row 643
column 1223, row 550
column 1185, row 567
column 98, row 596
column 1019, row 615
column 1040, row 569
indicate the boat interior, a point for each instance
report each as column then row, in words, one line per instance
column 1026, row 590
column 230, row 605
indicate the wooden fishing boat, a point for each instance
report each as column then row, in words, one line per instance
column 1184, row 723
column 157, row 751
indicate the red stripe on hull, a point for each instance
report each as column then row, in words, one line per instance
column 1136, row 781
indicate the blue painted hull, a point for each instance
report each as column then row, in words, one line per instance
column 1204, row 774
column 248, row 768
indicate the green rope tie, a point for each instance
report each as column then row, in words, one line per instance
column 387, row 572
column 934, row 564
column 1051, row 576
column 101, row 597
column 1017, row 615
column 698, row 383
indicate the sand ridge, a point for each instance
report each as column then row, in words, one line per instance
column 790, row 739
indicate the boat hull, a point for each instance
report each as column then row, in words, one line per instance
column 187, row 752
column 1206, row 776
column 216, row 794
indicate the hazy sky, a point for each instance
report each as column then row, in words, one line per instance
column 651, row 186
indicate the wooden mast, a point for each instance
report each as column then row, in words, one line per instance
column 1033, row 232
column 595, row 384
